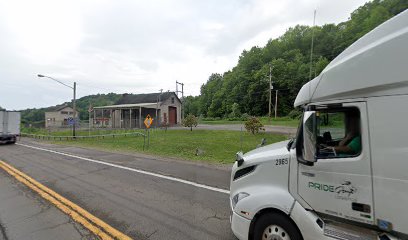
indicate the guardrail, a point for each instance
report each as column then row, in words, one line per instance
column 99, row 136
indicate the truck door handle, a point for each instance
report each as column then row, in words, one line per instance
column 308, row 174
column 361, row 207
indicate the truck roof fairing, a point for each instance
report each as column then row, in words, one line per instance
column 375, row 65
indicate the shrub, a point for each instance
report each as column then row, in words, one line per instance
column 164, row 125
column 253, row 125
column 190, row 121
column 235, row 119
column 245, row 116
column 210, row 119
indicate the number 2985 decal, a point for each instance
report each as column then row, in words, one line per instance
column 281, row 161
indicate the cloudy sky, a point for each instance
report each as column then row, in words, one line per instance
column 136, row 46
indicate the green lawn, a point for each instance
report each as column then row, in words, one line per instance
column 218, row 146
column 281, row 121
column 68, row 132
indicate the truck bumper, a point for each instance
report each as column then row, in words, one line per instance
column 4, row 139
column 240, row 226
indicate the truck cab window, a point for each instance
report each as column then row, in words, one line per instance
column 339, row 133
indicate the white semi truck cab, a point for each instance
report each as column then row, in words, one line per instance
column 345, row 174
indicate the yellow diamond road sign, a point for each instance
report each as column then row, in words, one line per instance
column 148, row 121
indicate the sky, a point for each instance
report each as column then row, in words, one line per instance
column 131, row 46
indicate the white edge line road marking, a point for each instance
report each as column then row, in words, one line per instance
column 199, row 185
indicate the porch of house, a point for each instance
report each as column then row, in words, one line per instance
column 125, row 115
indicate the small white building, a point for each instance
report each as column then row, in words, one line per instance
column 59, row 116
column 131, row 110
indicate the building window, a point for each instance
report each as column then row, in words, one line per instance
column 64, row 112
column 172, row 100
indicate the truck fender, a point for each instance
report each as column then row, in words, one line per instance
column 265, row 197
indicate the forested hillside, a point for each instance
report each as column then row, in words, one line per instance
column 37, row 115
column 244, row 89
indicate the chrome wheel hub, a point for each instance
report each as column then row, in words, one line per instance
column 275, row 232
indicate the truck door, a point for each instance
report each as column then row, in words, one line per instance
column 338, row 183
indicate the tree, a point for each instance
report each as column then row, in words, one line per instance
column 235, row 112
column 247, row 83
column 192, row 105
column 253, row 125
column 190, row 121
column 208, row 91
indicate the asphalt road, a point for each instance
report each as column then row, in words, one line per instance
column 26, row 215
column 144, row 197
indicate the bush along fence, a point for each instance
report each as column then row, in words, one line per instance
column 99, row 136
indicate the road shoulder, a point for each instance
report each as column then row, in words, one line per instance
column 25, row 215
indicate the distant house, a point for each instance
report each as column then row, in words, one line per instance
column 59, row 116
column 131, row 110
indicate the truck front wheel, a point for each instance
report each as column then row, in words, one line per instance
column 275, row 226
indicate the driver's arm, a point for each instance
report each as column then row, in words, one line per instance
column 353, row 147
column 343, row 149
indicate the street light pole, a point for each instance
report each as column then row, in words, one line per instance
column 73, row 101
column 74, row 107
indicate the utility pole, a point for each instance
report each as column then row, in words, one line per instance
column 276, row 103
column 311, row 47
column 270, row 90
column 182, row 97
column 157, row 106
column 89, row 118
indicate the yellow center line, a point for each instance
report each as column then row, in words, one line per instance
column 78, row 214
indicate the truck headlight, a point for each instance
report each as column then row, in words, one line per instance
column 238, row 197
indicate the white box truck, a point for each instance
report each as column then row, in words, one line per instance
column 9, row 126
column 345, row 174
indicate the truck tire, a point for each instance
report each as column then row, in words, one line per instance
column 275, row 226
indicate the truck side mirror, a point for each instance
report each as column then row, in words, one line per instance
column 309, row 136
column 240, row 158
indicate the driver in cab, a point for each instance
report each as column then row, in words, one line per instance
column 351, row 143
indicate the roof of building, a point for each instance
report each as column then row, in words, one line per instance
column 375, row 65
column 57, row 108
column 126, row 106
column 145, row 98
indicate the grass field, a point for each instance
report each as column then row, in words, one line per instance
column 282, row 121
column 68, row 132
column 218, row 146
